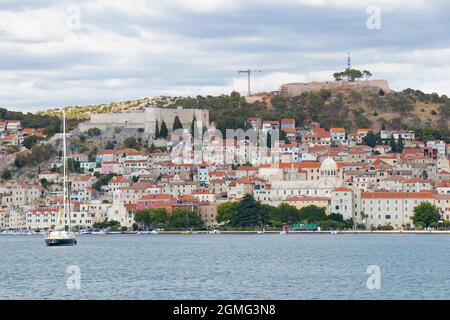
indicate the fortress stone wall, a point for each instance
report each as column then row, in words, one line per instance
column 296, row 89
column 147, row 119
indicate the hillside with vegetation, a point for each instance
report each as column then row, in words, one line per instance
column 351, row 109
column 348, row 108
column 83, row 112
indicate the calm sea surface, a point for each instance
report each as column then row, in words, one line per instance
column 227, row 267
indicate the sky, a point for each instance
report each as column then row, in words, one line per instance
column 59, row 53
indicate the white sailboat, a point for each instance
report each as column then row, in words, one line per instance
column 59, row 236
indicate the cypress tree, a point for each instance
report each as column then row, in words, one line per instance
column 400, row 145
column 193, row 124
column 392, row 143
column 177, row 124
column 163, row 132
column 157, row 136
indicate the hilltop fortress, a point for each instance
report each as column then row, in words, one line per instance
column 147, row 119
column 296, row 89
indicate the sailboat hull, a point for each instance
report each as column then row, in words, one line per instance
column 60, row 242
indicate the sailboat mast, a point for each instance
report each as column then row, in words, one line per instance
column 64, row 166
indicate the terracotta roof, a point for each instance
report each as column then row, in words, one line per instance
column 106, row 151
column 309, row 165
column 247, row 168
column 304, row 198
column 118, row 179
column 81, row 178
column 342, row 189
column 288, row 121
column 429, row 194
column 159, row 196
column 202, row 191
column 337, row 130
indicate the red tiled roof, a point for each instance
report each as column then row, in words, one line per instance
column 429, row 194
column 337, row 130
column 304, row 198
column 340, row 189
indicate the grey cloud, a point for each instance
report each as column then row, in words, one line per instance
column 286, row 38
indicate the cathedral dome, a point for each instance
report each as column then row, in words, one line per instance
column 328, row 165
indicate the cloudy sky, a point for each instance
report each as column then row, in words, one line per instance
column 56, row 53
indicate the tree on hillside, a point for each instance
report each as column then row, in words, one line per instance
column 177, row 124
column 157, row 135
column 103, row 180
column 73, row 166
column 38, row 155
column 44, row 183
column 30, row 142
column 392, row 143
column 194, row 119
column 350, row 74
column 370, row 139
column 426, row 215
column 400, row 145
column 132, row 143
column 367, row 74
column 109, row 145
column 163, row 132
column 6, row 174
column 194, row 127
column 93, row 132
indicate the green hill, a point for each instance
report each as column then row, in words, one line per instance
column 349, row 108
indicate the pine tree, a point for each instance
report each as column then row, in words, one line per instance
column 177, row 124
column 157, row 135
column 163, row 132
column 249, row 213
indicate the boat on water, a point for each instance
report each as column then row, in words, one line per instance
column 98, row 232
column 59, row 236
column 187, row 232
column 148, row 232
column 213, row 231
column 282, row 232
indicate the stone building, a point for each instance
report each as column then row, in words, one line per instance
column 296, row 89
column 147, row 119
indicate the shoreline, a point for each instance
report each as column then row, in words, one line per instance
column 343, row 232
